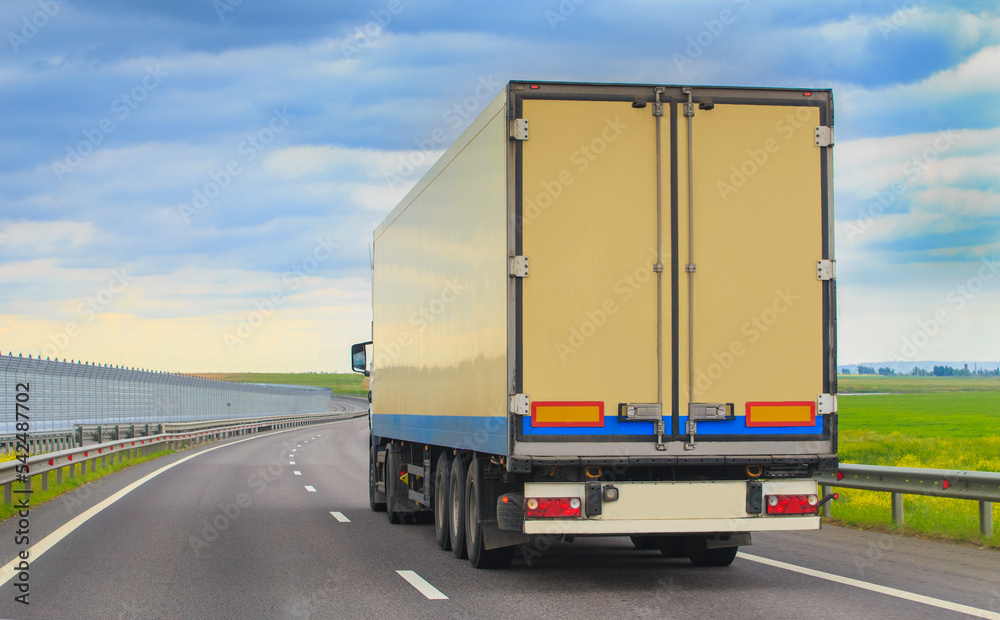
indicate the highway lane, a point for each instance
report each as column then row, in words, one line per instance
column 235, row 533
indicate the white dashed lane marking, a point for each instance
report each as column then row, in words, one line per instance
column 297, row 473
column 339, row 516
column 310, row 489
column 421, row 585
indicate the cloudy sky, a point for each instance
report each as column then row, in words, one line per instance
column 192, row 185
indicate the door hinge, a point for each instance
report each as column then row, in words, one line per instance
column 519, row 404
column 518, row 266
column 826, row 269
column 826, row 404
column 519, row 128
column 824, row 136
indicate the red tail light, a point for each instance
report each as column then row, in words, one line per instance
column 791, row 504
column 552, row 507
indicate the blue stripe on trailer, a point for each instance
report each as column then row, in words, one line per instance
column 736, row 426
column 480, row 433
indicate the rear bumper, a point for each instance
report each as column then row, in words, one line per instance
column 672, row 507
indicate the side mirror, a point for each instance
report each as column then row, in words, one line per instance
column 359, row 359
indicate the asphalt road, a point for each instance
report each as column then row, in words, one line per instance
column 235, row 532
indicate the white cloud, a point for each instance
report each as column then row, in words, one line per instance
column 48, row 237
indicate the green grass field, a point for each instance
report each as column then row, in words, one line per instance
column 933, row 422
column 867, row 384
column 70, row 485
column 350, row 384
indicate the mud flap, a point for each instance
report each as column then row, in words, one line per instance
column 494, row 537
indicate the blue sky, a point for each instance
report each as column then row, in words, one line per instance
column 192, row 185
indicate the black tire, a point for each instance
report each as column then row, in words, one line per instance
column 479, row 556
column 456, row 505
column 392, row 482
column 671, row 546
column 372, row 480
column 700, row 555
column 442, row 501
column 645, row 543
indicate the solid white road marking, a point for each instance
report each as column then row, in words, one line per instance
column 8, row 571
column 297, row 473
column 864, row 585
column 310, row 489
column 339, row 516
column 421, row 585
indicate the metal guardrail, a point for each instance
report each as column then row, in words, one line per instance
column 40, row 442
column 174, row 434
column 980, row 486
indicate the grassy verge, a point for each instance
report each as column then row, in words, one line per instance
column 930, row 422
column 866, row 384
column 350, row 384
column 39, row 497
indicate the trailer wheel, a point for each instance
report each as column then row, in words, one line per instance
column 671, row 546
column 375, row 505
column 392, row 482
column 700, row 555
column 442, row 501
column 456, row 505
column 479, row 556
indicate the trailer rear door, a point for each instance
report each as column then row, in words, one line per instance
column 757, row 346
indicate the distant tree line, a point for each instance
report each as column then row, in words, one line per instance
column 948, row 371
column 938, row 371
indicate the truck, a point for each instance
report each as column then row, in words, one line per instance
column 609, row 310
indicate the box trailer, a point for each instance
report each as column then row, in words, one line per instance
column 609, row 310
